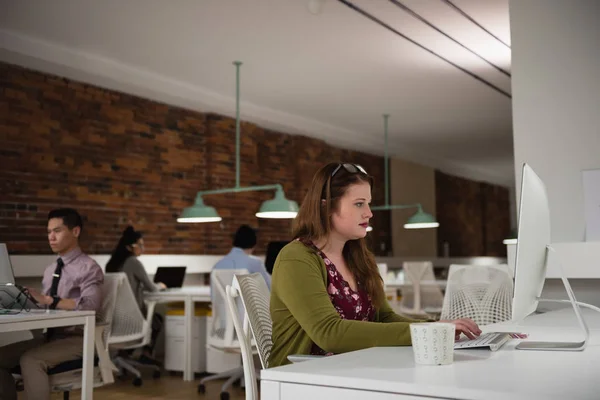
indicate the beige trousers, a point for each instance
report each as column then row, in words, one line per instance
column 35, row 356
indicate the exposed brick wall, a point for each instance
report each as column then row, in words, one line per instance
column 496, row 214
column 119, row 158
column 474, row 217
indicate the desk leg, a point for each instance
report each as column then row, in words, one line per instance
column 87, row 376
column 188, row 373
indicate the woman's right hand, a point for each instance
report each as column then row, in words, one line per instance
column 161, row 286
column 466, row 326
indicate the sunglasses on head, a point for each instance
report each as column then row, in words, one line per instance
column 350, row 168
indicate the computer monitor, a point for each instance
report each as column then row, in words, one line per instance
column 533, row 237
column 6, row 271
column 534, row 252
column 12, row 296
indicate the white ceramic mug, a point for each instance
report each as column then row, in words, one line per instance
column 433, row 342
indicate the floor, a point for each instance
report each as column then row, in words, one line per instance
column 167, row 387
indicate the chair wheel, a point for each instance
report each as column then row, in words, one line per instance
column 224, row 395
column 201, row 388
column 137, row 381
column 156, row 374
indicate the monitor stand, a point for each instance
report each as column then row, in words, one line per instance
column 561, row 346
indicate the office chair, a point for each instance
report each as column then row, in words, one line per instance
column 222, row 334
column 66, row 377
column 130, row 330
column 482, row 293
column 252, row 293
column 419, row 298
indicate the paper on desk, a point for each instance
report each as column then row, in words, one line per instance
column 515, row 335
column 7, row 338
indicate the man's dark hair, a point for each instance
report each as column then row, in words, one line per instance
column 245, row 237
column 70, row 217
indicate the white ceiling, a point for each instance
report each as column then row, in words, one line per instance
column 329, row 75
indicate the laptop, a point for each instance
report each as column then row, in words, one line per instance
column 6, row 271
column 172, row 277
column 12, row 296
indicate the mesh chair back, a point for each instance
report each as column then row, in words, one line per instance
column 482, row 293
column 128, row 323
column 110, row 290
column 222, row 332
column 255, row 297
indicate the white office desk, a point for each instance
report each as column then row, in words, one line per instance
column 397, row 284
column 39, row 319
column 189, row 295
column 390, row 372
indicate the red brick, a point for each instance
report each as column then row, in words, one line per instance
column 82, row 146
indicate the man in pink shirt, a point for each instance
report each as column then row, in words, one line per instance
column 73, row 282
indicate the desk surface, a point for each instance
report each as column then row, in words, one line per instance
column 194, row 291
column 474, row 375
column 42, row 315
column 399, row 283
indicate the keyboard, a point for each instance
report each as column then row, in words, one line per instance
column 493, row 341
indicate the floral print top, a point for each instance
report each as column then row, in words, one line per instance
column 348, row 303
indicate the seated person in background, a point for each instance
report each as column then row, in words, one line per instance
column 240, row 257
column 327, row 295
column 73, row 282
column 124, row 258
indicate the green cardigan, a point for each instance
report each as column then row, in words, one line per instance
column 302, row 312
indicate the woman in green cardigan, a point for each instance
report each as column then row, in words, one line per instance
column 327, row 295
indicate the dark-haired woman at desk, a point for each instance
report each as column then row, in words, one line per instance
column 125, row 259
column 327, row 295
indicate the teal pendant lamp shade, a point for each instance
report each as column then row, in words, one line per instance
column 199, row 212
column 278, row 207
column 421, row 220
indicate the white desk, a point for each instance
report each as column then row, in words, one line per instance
column 189, row 295
column 39, row 319
column 397, row 284
column 383, row 373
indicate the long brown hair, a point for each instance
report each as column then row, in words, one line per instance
column 313, row 222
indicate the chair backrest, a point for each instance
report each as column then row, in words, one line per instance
column 255, row 296
column 110, row 290
column 480, row 292
column 128, row 323
column 252, row 293
column 222, row 334
column 242, row 330
column 415, row 271
column 417, row 296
